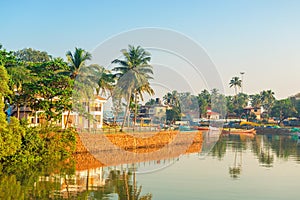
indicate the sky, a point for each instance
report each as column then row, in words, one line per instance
column 258, row 37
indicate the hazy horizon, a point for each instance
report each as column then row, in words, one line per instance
column 260, row 38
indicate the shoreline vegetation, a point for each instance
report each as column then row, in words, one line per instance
column 35, row 83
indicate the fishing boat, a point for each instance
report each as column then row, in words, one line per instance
column 207, row 128
column 202, row 128
column 238, row 131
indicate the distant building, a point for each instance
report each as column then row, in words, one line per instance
column 157, row 112
column 256, row 110
column 94, row 108
column 212, row 115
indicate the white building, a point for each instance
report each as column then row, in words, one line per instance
column 92, row 118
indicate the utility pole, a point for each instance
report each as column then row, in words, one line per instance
column 242, row 75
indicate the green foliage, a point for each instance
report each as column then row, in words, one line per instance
column 10, row 134
column 32, row 55
column 52, row 90
column 173, row 114
column 4, row 79
column 10, row 188
column 7, row 59
column 235, row 82
column 204, row 101
column 43, row 152
column 218, row 103
column 267, row 100
column 283, row 109
column 77, row 60
column 134, row 73
column 150, row 102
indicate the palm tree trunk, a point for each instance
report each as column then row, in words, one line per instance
column 89, row 120
column 235, row 89
column 135, row 110
column 126, row 111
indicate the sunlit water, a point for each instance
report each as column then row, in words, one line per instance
column 261, row 167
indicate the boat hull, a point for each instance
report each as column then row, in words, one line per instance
column 238, row 132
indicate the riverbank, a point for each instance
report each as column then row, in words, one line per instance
column 95, row 150
column 135, row 141
column 275, row 131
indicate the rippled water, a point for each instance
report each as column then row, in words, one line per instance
column 260, row 167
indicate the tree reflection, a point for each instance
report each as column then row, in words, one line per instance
column 119, row 183
column 219, row 150
column 235, row 170
column 263, row 151
column 125, row 186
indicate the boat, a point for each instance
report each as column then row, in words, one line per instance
column 207, row 128
column 202, row 128
column 238, row 131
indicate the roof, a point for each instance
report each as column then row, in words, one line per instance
column 100, row 98
column 213, row 113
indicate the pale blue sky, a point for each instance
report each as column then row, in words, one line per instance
column 260, row 37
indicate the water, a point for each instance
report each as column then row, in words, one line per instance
column 261, row 167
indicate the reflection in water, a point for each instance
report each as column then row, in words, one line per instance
column 235, row 170
column 99, row 183
column 210, row 139
column 85, row 178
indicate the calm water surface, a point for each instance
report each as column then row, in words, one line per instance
column 262, row 167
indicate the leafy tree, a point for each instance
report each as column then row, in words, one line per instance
column 52, row 90
column 133, row 73
column 32, row 55
column 7, row 59
column 241, row 101
column 230, row 105
column 10, row 134
column 218, row 103
column 4, row 79
column 296, row 103
column 283, row 109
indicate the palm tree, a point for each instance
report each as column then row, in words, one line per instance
column 171, row 99
column 267, row 100
column 76, row 60
column 235, row 82
column 133, row 73
column 255, row 100
column 106, row 82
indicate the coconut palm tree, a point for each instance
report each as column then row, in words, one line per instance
column 133, row 73
column 267, row 100
column 106, row 82
column 235, row 82
column 77, row 60
column 171, row 99
column 255, row 100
